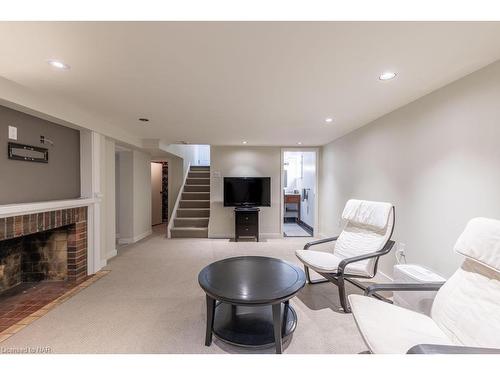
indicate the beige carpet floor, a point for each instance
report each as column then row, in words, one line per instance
column 151, row 303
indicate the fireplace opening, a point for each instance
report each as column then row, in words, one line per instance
column 42, row 256
column 33, row 258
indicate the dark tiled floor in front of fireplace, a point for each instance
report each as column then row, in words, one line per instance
column 27, row 302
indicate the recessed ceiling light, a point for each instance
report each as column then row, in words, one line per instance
column 299, row 143
column 144, row 119
column 387, row 76
column 244, row 142
column 58, row 64
column 328, row 119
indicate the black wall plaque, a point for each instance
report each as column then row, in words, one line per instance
column 19, row 151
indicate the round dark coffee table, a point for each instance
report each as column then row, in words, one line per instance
column 248, row 300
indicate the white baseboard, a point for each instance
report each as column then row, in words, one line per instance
column 129, row 240
column 230, row 236
column 220, row 236
column 112, row 254
column 271, row 236
column 104, row 262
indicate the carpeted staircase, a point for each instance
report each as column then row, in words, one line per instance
column 191, row 218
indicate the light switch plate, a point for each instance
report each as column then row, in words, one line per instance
column 216, row 174
column 13, row 133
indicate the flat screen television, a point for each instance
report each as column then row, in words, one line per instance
column 247, row 191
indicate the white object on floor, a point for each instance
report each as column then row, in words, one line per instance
column 294, row 230
column 465, row 312
column 417, row 301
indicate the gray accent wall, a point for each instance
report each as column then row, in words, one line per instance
column 22, row 181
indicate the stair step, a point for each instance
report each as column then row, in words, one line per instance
column 193, row 212
column 199, row 188
column 199, row 174
column 189, row 232
column 198, row 222
column 198, row 181
column 199, row 168
column 194, row 203
column 189, row 196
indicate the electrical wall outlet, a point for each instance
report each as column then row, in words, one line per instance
column 399, row 252
column 400, row 248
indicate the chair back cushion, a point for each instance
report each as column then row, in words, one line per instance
column 364, row 232
column 480, row 242
column 467, row 307
column 367, row 213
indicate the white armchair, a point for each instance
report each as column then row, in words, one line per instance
column 364, row 239
column 465, row 315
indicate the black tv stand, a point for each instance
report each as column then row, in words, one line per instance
column 246, row 222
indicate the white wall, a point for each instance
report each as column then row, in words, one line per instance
column 191, row 154
column 229, row 161
column 142, row 194
column 437, row 159
column 203, row 155
column 293, row 169
column 109, row 200
column 175, row 180
column 98, row 181
column 117, row 194
column 134, row 201
column 125, row 195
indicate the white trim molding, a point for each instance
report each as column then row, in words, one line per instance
column 112, row 254
column 262, row 236
column 317, row 153
column 18, row 209
column 130, row 240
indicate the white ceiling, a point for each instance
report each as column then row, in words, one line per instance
column 269, row 83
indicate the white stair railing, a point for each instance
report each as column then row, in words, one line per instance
column 177, row 201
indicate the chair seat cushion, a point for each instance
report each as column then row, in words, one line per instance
column 390, row 329
column 321, row 261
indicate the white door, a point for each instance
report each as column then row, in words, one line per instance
column 308, row 188
column 156, row 193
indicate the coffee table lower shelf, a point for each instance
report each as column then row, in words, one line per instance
column 251, row 326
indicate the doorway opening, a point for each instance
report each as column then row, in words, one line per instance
column 159, row 192
column 299, row 176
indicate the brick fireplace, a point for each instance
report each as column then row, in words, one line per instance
column 49, row 245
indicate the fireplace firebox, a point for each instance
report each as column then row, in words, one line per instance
column 44, row 246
